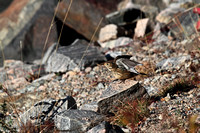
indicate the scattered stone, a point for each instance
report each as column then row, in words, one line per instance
column 70, row 57
column 17, row 83
column 141, row 27
column 33, row 87
column 173, row 87
column 88, row 69
column 17, row 69
column 121, row 41
column 110, row 32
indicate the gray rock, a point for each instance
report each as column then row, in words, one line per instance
column 48, row 53
column 118, row 92
column 152, row 90
column 47, row 110
column 45, row 77
column 160, row 38
column 76, row 121
column 112, row 54
column 187, row 19
column 23, row 21
column 3, row 75
column 70, row 57
column 121, row 41
column 150, row 12
column 166, row 15
column 90, row 106
column 160, row 4
column 105, row 127
column 32, row 87
column 100, row 86
column 172, row 63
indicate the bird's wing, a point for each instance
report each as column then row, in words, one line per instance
column 127, row 64
column 118, row 60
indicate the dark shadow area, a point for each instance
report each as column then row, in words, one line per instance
column 69, row 35
column 130, row 17
column 133, row 14
column 4, row 4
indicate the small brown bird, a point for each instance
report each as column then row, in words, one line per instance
column 123, row 68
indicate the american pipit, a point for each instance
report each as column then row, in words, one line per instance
column 122, row 67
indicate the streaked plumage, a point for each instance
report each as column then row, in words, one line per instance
column 122, row 67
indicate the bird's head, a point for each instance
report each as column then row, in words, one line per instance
column 110, row 65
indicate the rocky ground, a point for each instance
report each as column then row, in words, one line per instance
column 72, row 90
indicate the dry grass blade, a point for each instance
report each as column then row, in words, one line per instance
column 70, row 4
column 91, row 40
column 47, row 38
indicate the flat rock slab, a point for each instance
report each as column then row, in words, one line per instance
column 70, row 57
column 172, row 63
column 119, row 92
column 121, row 41
column 76, row 121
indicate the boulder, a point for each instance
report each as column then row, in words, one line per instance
column 76, row 121
column 118, row 92
column 77, row 55
column 183, row 25
column 27, row 21
column 84, row 16
column 125, row 17
column 166, row 15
